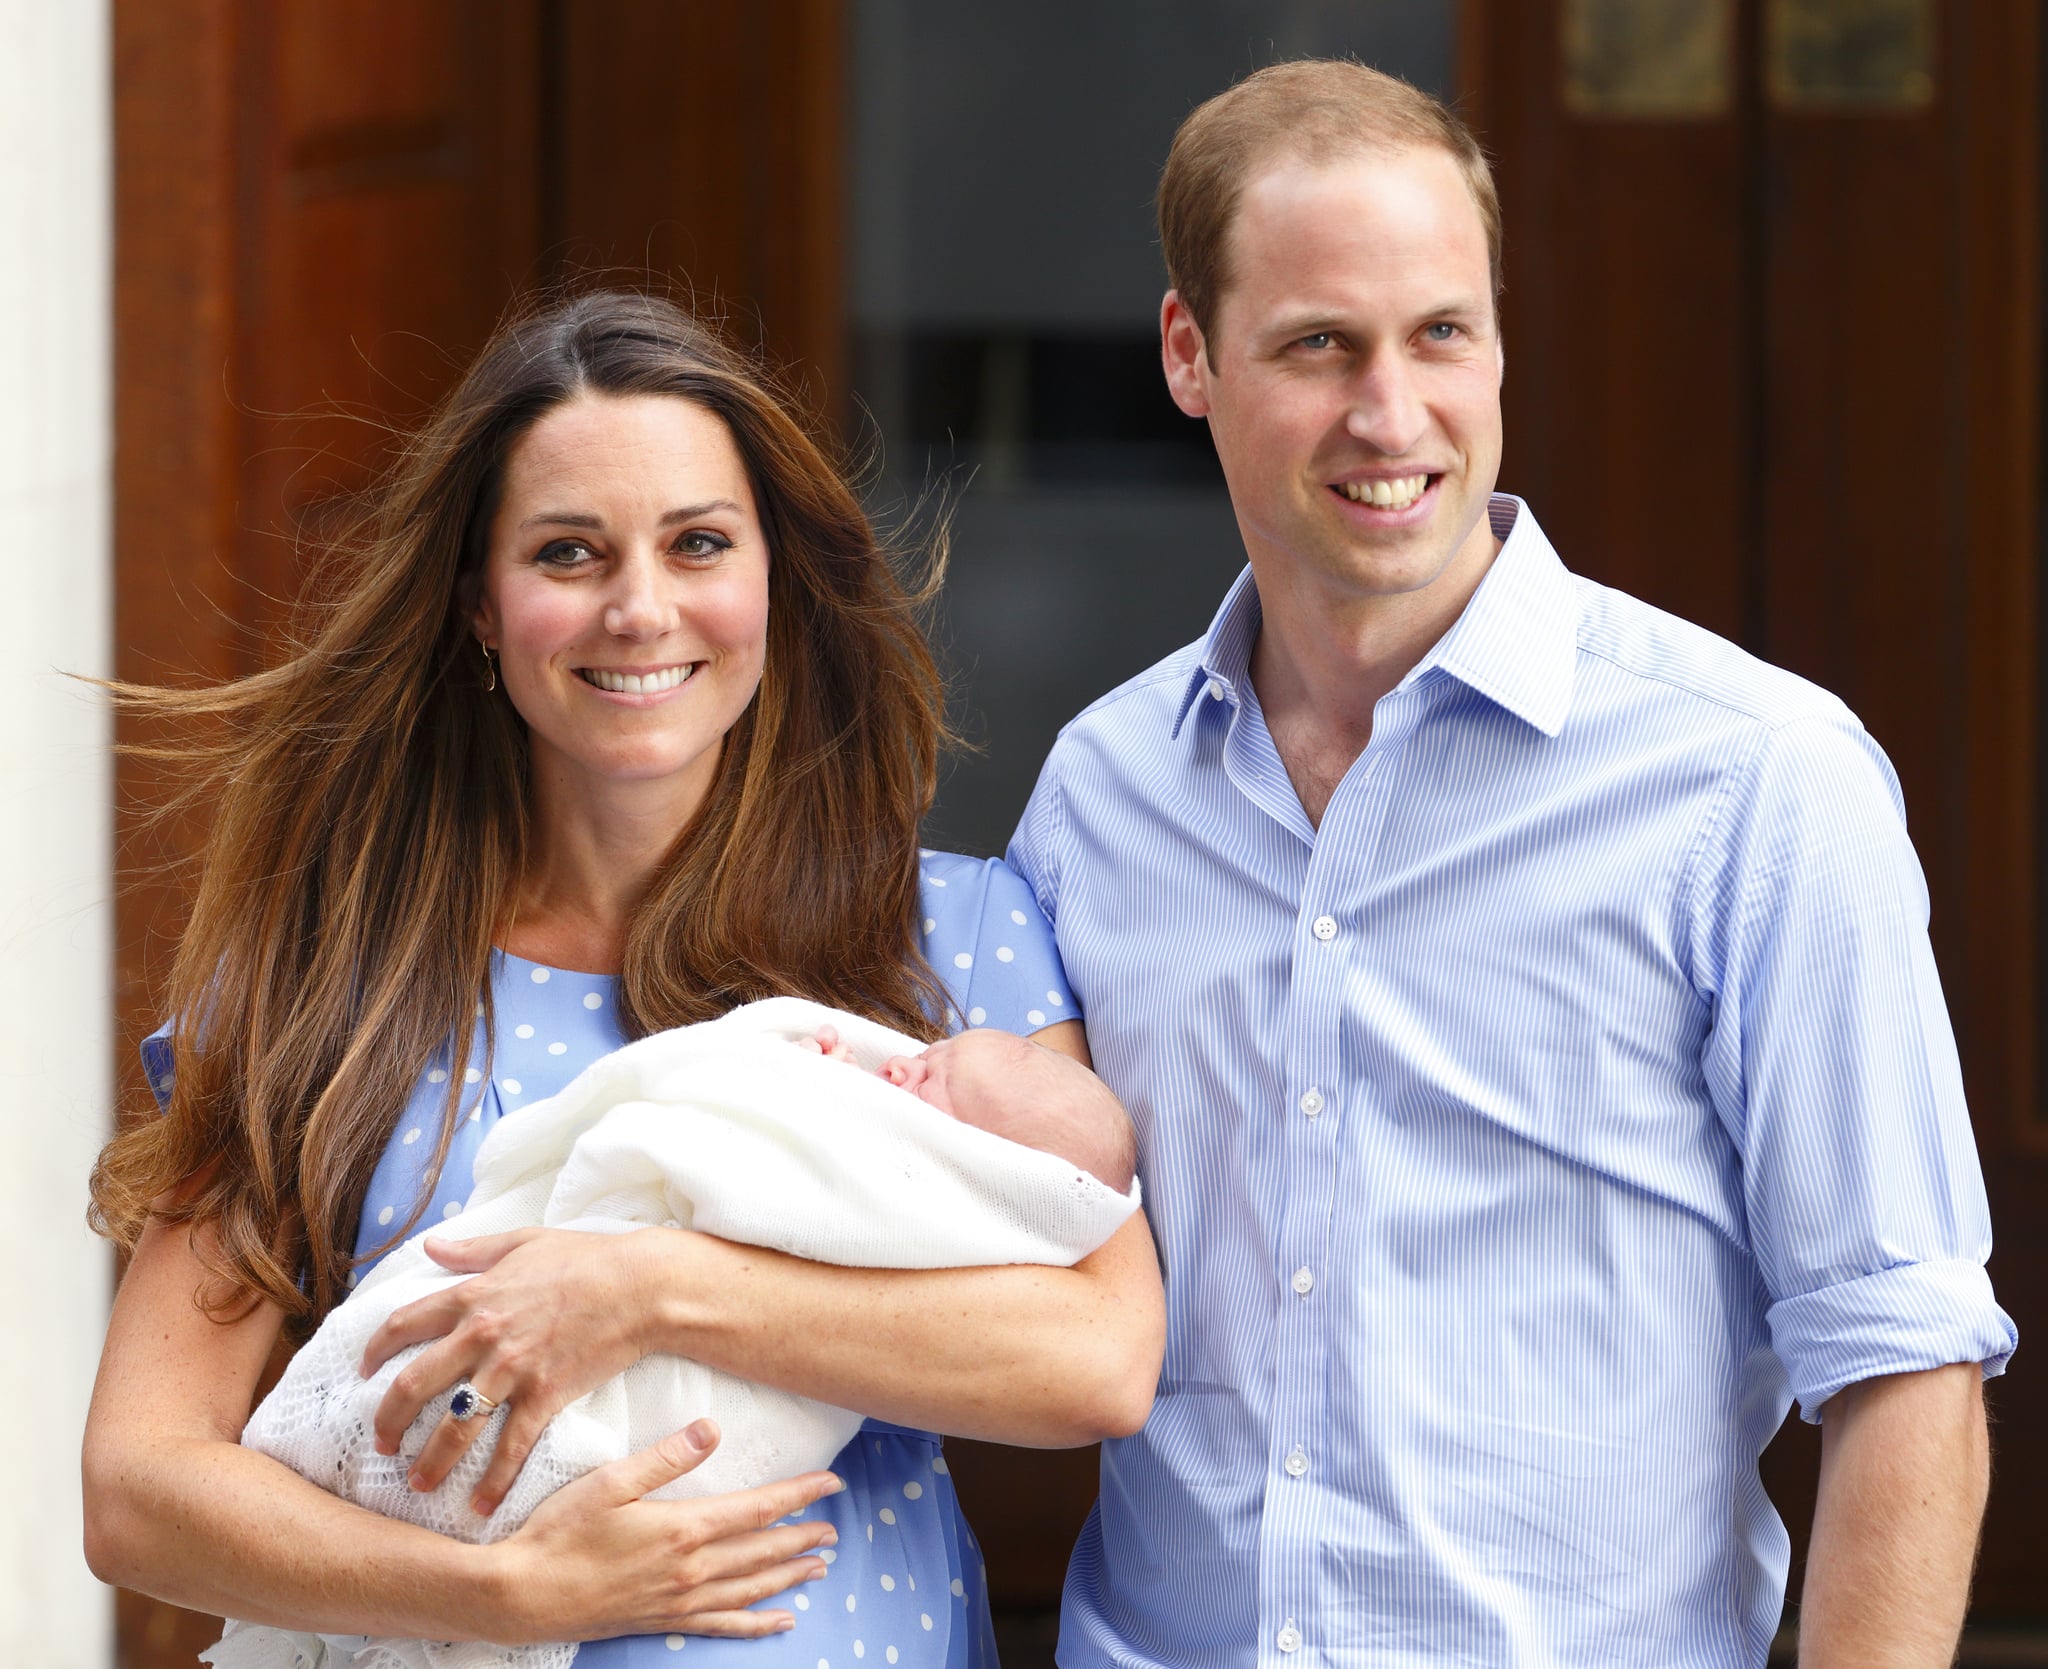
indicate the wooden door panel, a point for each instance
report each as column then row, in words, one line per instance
column 376, row 246
column 1858, row 295
column 1861, row 436
column 702, row 145
column 1623, row 402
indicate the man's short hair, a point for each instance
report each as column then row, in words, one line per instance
column 1313, row 109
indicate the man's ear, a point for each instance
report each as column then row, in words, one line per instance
column 1183, row 355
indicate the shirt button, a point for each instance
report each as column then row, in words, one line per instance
column 1312, row 1102
column 1325, row 928
column 1215, row 689
column 1303, row 1282
column 1289, row 1639
column 1296, row 1464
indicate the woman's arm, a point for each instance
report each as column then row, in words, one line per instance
column 175, row 1507
column 1018, row 1353
column 1021, row 1353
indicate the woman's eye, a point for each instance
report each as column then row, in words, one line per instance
column 564, row 553
column 702, row 545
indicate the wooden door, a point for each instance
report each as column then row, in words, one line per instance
column 321, row 211
column 1771, row 328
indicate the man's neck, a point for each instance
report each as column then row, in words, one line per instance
column 1322, row 663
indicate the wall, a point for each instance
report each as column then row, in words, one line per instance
column 1003, row 297
column 54, row 806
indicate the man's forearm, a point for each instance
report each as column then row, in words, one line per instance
column 1905, row 1465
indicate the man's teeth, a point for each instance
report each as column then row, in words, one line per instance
column 634, row 683
column 1396, row 494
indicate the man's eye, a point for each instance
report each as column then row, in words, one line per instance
column 1317, row 340
column 1440, row 332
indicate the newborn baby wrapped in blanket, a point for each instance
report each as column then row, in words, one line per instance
column 732, row 1128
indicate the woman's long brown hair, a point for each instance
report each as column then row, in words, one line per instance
column 369, row 815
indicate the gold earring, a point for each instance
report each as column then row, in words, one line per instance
column 490, row 667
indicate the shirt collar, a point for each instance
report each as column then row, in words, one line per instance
column 1516, row 643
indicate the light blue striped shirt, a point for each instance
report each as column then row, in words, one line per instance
column 1519, row 1143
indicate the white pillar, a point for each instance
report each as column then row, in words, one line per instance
column 56, row 128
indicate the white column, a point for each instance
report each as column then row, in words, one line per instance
column 56, row 885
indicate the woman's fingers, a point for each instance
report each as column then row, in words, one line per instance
column 745, row 1557
column 472, row 1257
column 760, row 1507
column 661, row 1462
column 425, row 1318
column 696, row 1565
column 415, row 1385
column 523, row 1425
column 449, row 1441
column 737, row 1625
column 721, row 1607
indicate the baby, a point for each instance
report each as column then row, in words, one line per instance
column 981, row 1149
column 1016, row 1089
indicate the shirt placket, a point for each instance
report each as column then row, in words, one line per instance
column 1321, row 1097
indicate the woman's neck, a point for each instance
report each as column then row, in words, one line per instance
column 593, row 853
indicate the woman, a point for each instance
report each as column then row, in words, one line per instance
column 614, row 717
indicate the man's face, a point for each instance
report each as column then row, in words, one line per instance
column 1353, row 386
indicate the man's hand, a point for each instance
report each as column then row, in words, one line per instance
column 1905, row 1466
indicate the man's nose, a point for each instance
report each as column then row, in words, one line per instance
column 1387, row 410
column 639, row 606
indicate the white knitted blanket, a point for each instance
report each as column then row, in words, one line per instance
column 724, row 1127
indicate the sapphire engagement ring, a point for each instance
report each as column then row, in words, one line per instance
column 468, row 1402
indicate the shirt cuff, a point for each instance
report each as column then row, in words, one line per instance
column 1905, row 1319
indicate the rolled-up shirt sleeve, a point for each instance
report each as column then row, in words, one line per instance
column 1833, row 1065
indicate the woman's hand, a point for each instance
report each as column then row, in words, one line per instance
column 547, row 1315
column 668, row 1566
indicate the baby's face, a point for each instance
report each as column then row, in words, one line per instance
column 1017, row 1089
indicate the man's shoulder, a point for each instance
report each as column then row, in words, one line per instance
column 1149, row 698
column 1664, row 655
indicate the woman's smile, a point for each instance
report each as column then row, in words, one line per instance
column 638, row 680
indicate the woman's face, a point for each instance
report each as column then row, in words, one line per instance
column 625, row 592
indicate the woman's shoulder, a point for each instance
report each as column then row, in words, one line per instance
column 987, row 939
column 959, row 890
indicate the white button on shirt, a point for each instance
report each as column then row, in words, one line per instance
column 1325, row 928
column 1303, row 1282
column 1312, row 1102
column 1297, row 1464
column 1289, row 1639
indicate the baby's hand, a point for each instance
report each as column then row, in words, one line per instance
column 827, row 1043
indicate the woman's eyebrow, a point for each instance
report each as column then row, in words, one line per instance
column 690, row 512
column 583, row 518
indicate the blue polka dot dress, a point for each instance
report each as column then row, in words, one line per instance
column 905, row 1584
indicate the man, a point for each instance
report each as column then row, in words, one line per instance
column 1525, row 1004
